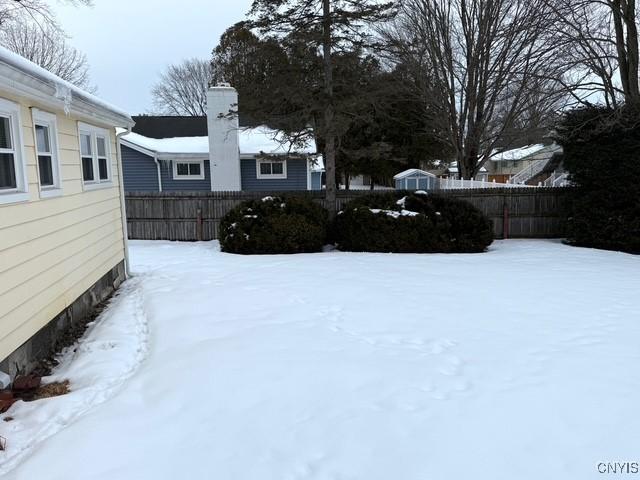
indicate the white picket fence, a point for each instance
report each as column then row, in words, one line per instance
column 453, row 183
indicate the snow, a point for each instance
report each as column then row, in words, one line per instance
column 177, row 145
column 109, row 353
column 517, row 153
column 253, row 141
column 520, row 363
column 318, row 164
column 395, row 213
column 62, row 87
column 453, row 168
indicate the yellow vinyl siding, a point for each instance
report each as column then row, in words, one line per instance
column 53, row 249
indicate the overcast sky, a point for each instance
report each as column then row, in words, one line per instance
column 130, row 42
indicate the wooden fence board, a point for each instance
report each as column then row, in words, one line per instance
column 525, row 212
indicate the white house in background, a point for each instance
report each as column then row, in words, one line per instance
column 522, row 165
column 229, row 158
column 62, row 222
column 453, row 172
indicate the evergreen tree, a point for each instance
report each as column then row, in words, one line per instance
column 326, row 26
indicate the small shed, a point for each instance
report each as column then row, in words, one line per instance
column 415, row 179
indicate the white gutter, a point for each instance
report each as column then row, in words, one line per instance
column 123, row 209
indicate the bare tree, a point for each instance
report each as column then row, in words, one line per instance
column 48, row 48
column 182, row 89
column 36, row 11
column 485, row 61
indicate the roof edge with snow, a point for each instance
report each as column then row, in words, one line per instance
column 24, row 78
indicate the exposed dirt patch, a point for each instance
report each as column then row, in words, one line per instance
column 68, row 338
column 55, row 389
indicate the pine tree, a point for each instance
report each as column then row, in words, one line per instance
column 327, row 26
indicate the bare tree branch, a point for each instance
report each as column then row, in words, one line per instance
column 182, row 89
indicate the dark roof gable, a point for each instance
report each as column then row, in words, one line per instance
column 168, row 127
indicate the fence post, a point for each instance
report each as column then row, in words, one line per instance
column 199, row 225
column 505, row 217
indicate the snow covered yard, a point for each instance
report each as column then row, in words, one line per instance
column 521, row 363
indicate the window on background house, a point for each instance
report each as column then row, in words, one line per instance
column 188, row 170
column 271, row 169
column 95, row 155
column 47, row 151
column 13, row 182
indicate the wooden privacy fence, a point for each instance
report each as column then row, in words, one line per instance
column 190, row 216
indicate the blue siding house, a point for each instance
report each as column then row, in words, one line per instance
column 214, row 153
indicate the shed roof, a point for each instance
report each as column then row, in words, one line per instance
column 412, row 172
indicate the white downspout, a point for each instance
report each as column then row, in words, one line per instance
column 155, row 159
column 123, row 210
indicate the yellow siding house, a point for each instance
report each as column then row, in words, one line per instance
column 62, row 230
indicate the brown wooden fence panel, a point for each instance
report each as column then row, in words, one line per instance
column 190, row 216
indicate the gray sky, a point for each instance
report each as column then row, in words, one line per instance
column 130, row 42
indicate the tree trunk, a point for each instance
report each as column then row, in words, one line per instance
column 329, row 114
column 624, row 21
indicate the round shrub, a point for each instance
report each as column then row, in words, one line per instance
column 411, row 223
column 274, row 225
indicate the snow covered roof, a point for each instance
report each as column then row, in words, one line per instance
column 412, row 172
column 253, row 141
column 178, row 145
column 62, row 91
column 517, row 153
column 318, row 164
column 453, row 168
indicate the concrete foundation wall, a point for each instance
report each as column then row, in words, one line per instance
column 44, row 343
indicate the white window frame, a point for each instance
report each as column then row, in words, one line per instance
column 95, row 132
column 188, row 177
column 11, row 110
column 48, row 120
column 272, row 176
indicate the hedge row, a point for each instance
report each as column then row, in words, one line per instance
column 391, row 222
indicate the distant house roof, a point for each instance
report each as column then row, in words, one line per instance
column 170, row 127
column 527, row 152
column 253, row 142
column 412, row 172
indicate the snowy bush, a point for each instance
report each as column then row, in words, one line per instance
column 274, row 225
column 602, row 154
column 411, row 223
